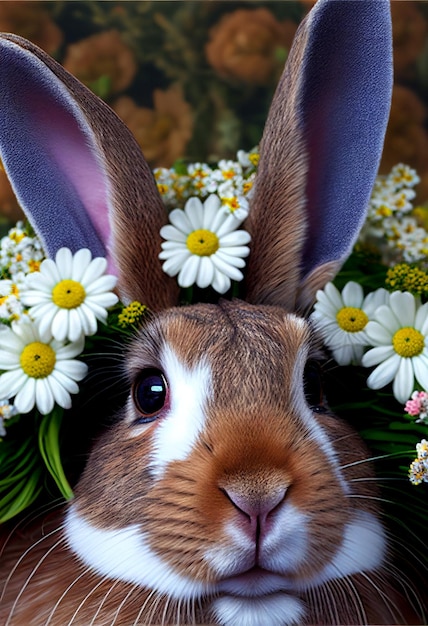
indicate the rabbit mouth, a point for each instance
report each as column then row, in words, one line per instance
column 254, row 582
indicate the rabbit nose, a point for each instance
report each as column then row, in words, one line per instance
column 255, row 509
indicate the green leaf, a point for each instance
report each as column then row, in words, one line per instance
column 50, row 449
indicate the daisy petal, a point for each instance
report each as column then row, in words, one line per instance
column 44, row 396
column 377, row 355
column 420, row 366
column 81, row 261
column 211, row 210
column 94, row 271
column 378, row 334
column 225, row 268
column 102, row 284
column 333, row 295
column 403, row 305
column 59, row 328
column 60, row 392
column 189, row 271
column 236, row 238
column 384, row 373
column 12, row 382
column 179, row 219
column 221, row 282
column 404, row 381
column 174, row 264
column 194, row 211
column 173, row 234
column 25, row 399
column 353, row 295
column 76, row 370
column 205, row 274
column 50, row 272
column 75, row 330
column 63, row 381
column 64, row 262
column 230, row 259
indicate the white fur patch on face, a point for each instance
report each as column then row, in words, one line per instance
column 363, row 549
column 178, row 431
column 277, row 609
column 125, row 555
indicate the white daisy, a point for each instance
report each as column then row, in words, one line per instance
column 67, row 296
column 38, row 372
column 203, row 246
column 399, row 333
column 341, row 319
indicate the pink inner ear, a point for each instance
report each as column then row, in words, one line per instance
column 77, row 159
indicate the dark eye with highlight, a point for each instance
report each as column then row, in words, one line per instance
column 150, row 394
column 313, row 387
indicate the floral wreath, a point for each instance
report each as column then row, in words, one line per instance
column 57, row 315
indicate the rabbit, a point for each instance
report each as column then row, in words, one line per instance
column 236, row 497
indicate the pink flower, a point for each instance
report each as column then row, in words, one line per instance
column 418, row 404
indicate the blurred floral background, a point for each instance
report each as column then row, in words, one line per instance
column 194, row 79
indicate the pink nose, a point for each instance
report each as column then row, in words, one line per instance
column 256, row 509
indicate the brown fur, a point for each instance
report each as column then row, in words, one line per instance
column 253, row 443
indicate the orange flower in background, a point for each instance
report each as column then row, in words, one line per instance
column 409, row 31
column 30, row 20
column 406, row 139
column 244, row 45
column 103, row 54
column 162, row 132
column 9, row 207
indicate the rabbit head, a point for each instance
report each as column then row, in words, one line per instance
column 225, row 491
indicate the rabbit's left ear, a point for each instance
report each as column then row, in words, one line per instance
column 78, row 172
column 320, row 151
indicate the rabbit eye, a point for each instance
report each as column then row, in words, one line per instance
column 150, row 393
column 313, row 387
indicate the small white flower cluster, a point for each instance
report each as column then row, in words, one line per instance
column 7, row 411
column 387, row 330
column 231, row 180
column 47, row 308
column 202, row 244
column 393, row 220
column 418, row 471
column 20, row 254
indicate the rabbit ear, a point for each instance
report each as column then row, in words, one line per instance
column 78, row 173
column 320, row 151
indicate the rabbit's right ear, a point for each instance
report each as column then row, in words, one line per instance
column 320, row 151
column 78, row 172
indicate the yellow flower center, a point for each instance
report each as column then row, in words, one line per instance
column 202, row 242
column 68, row 294
column 408, row 342
column 351, row 319
column 38, row 360
column 232, row 203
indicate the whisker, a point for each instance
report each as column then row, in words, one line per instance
column 105, row 598
column 122, row 604
column 61, row 598
column 372, row 459
column 25, row 554
column 387, row 600
column 141, row 611
column 23, row 588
